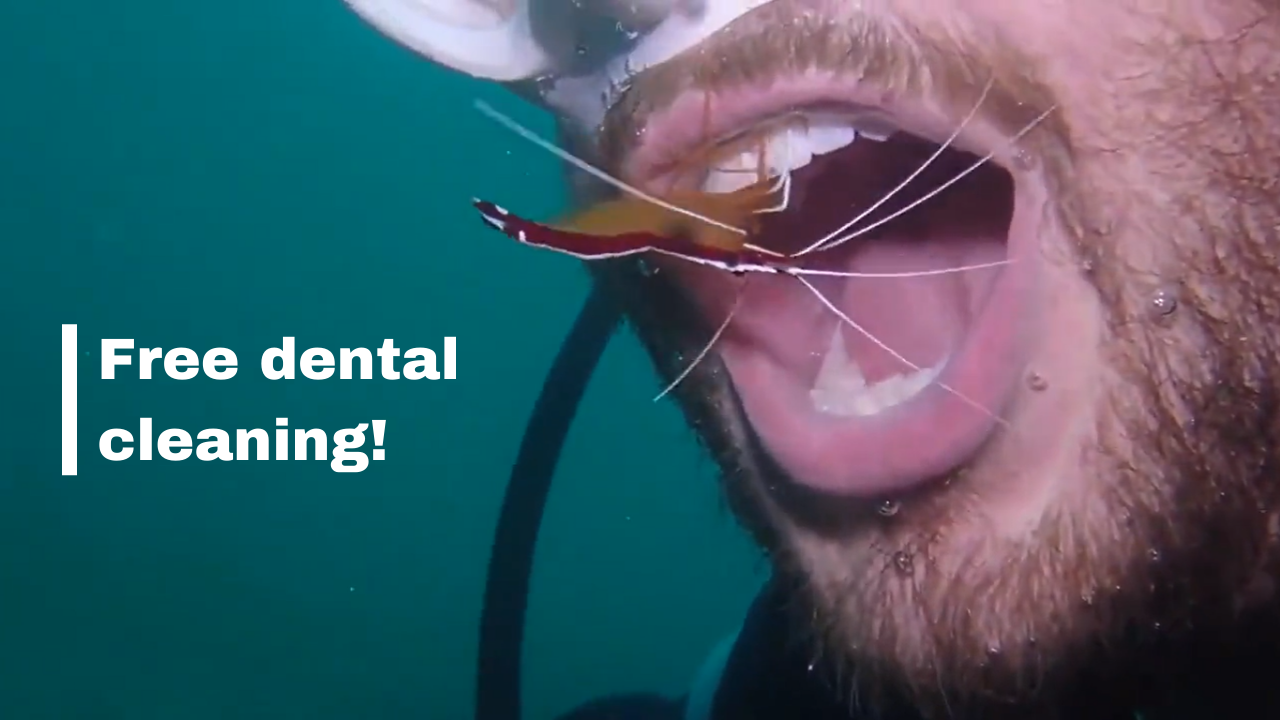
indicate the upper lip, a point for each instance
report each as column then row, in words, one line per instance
column 793, row 65
column 673, row 132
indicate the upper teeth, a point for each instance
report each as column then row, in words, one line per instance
column 841, row 388
column 791, row 147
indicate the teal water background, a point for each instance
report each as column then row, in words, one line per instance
column 226, row 174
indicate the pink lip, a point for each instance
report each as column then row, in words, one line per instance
column 686, row 123
column 905, row 446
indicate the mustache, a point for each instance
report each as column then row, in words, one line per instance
column 783, row 38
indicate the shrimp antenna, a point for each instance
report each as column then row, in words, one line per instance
column 818, row 245
column 844, row 317
column 936, row 191
column 706, row 348
column 515, row 127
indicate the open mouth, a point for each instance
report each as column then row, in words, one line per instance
column 863, row 386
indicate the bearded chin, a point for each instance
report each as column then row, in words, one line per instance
column 1160, row 561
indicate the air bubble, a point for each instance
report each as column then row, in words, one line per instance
column 1022, row 159
column 647, row 269
column 544, row 84
column 889, row 508
column 1164, row 301
column 1036, row 382
column 1154, row 555
column 627, row 32
column 903, row 562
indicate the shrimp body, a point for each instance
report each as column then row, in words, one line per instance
column 621, row 216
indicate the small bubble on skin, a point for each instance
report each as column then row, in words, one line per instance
column 544, row 84
column 1164, row 301
column 889, row 508
column 903, row 562
column 1154, row 555
column 1021, row 159
column 1036, row 382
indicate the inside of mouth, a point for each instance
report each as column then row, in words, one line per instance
column 898, row 333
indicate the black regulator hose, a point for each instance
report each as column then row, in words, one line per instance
column 506, row 590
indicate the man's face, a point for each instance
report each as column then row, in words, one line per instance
column 983, row 480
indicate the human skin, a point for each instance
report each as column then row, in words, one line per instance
column 1111, row 545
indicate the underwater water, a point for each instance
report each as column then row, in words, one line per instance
column 227, row 174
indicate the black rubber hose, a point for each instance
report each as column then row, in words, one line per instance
column 506, row 590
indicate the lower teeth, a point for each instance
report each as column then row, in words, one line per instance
column 841, row 389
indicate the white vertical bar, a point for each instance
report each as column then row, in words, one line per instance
column 450, row 358
column 69, row 358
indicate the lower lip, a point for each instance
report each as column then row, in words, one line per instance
column 927, row 436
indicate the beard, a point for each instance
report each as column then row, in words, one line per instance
column 1143, row 578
